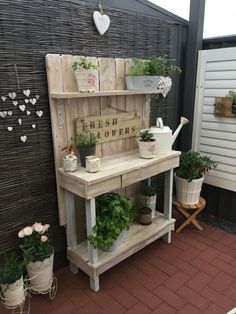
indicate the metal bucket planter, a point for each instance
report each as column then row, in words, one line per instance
column 85, row 152
column 147, row 82
column 188, row 192
column 13, row 295
column 87, row 80
column 147, row 149
column 40, row 274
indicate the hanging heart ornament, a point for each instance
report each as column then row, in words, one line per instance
column 101, row 21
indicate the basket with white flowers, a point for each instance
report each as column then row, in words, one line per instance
column 38, row 254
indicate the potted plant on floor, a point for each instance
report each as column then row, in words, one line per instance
column 189, row 176
column 152, row 74
column 114, row 212
column 11, row 281
column 86, row 74
column 86, row 144
column 146, row 144
column 38, row 255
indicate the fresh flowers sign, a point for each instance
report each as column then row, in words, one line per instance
column 36, row 246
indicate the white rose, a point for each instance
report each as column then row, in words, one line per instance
column 21, row 234
column 46, row 227
column 38, row 227
column 27, row 231
column 44, row 238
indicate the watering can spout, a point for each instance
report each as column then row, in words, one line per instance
column 183, row 121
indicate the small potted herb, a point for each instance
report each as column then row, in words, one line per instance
column 146, row 144
column 86, row 144
column 189, row 176
column 152, row 74
column 114, row 212
column 86, row 74
column 11, row 281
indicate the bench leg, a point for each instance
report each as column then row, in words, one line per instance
column 190, row 219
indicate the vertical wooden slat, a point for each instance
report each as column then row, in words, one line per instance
column 55, row 84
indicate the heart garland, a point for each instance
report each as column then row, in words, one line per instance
column 22, row 108
column 101, row 21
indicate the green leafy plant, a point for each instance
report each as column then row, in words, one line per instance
column 12, row 269
column 232, row 94
column 145, row 136
column 193, row 165
column 85, row 139
column 147, row 189
column 160, row 66
column 114, row 214
column 36, row 246
column 83, row 63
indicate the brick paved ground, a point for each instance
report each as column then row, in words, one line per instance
column 196, row 273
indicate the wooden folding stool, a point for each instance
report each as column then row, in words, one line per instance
column 190, row 212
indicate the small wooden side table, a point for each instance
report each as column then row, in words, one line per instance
column 194, row 210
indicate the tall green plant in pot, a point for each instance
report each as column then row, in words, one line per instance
column 114, row 212
column 189, row 176
column 12, row 290
column 152, row 74
column 86, row 144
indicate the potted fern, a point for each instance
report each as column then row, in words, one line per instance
column 189, row 176
column 114, row 212
column 11, row 281
column 86, row 144
column 152, row 74
column 146, row 144
column 86, row 74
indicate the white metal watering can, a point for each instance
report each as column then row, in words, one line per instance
column 164, row 135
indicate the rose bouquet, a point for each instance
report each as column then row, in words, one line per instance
column 36, row 246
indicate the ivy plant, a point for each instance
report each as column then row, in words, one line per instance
column 114, row 212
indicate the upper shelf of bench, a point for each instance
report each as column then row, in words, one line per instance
column 102, row 93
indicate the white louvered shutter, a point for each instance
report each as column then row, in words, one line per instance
column 216, row 136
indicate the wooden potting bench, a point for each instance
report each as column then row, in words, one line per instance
column 121, row 167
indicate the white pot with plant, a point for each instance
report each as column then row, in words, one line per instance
column 86, row 74
column 189, row 176
column 152, row 74
column 148, row 193
column 69, row 161
column 114, row 212
column 147, row 144
column 38, row 254
column 11, row 282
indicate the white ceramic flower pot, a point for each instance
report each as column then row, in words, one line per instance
column 13, row 294
column 69, row 165
column 40, row 274
column 147, row 149
column 188, row 192
column 87, row 80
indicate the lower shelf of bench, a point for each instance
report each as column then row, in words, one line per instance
column 138, row 236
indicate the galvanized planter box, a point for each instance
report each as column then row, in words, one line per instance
column 147, row 82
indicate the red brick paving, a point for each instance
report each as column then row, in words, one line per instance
column 194, row 274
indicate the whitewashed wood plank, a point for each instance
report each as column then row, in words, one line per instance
column 221, row 65
column 218, row 134
column 218, row 142
column 222, row 159
column 218, row 150
column 226, row 84
column 225, row 120
column 224, row 175
column 221, row 75
column 219, row 126
column 219, row 92
column 226, row 168
column 209, row 100
column 208, row 109
column 221, row 183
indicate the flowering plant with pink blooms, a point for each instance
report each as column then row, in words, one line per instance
column 36, row 246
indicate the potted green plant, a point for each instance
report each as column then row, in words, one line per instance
column 148, row 192
column 152, row 74
column 38, row 255
column 86, row 74
column 189, row 176
column 146, row 144
column 11, row 281
column 86, row 144
column 114, row 212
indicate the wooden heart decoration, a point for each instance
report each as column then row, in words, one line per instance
column 22, row 107
column 23, row 138
column 15, row 102
column 102, row 22
column 39, row 113
column 12, row 95
column 10, row 128
column 3, row 98
column 26, row 92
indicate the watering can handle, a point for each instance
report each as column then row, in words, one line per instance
column 159, row 123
